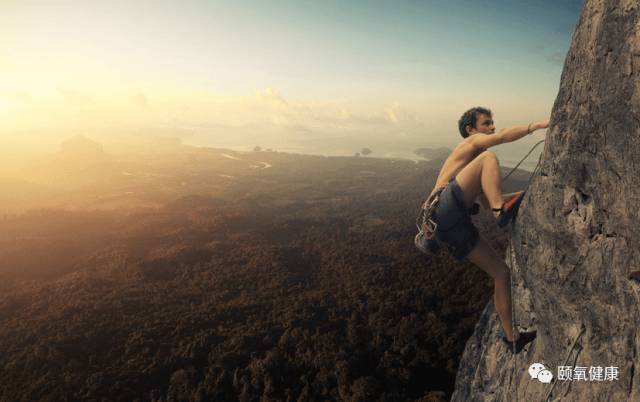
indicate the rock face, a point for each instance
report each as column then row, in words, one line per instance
column 575, row 243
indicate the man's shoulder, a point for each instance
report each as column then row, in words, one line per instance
column 464, row 147
column 482, row 142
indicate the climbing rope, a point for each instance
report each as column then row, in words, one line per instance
column 511, row 227
column 511, row 254
column 522, row 160
column 513, row 313
column 575, row 341
column 535, row 170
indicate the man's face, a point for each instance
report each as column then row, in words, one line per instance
column 484, row 125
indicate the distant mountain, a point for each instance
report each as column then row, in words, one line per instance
column 81, row 146
column 433, row 153
column 81, row 161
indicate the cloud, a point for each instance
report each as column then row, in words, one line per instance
column 272, row 96
column 342, row 118
column 201, row 113
column 74, row 98
column 139, row 99
column 279, row 119
column 396, row 114
column 391, row 112
column 306, row 117
column 23, row 97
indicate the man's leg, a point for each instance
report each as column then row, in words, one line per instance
column 488, row 260
column 482, row 173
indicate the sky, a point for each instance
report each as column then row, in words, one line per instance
column 318, row 76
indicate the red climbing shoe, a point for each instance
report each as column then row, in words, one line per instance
column 524, row 339
column 509, row 209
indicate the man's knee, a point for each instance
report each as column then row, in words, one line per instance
column 489, row 155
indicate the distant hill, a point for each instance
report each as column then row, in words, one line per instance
column 81, row 146
column 433, row 153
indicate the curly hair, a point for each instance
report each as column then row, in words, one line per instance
column 470, row 117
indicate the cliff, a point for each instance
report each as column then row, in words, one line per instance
column 574, row 246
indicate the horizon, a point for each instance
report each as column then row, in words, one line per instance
column 325, row 78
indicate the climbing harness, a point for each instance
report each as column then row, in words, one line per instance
column 426, row 239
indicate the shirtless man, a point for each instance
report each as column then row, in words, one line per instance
column 469, row 173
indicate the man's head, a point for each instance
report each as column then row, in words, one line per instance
column 476, row 120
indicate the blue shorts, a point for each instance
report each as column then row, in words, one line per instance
column 455, row 227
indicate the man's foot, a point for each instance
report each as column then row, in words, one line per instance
column 524, row 339
column 508, row 210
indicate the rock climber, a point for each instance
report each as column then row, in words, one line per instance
column 471, row 173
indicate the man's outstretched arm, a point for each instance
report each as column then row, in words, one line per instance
column 515, row 133
column 484, row 141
